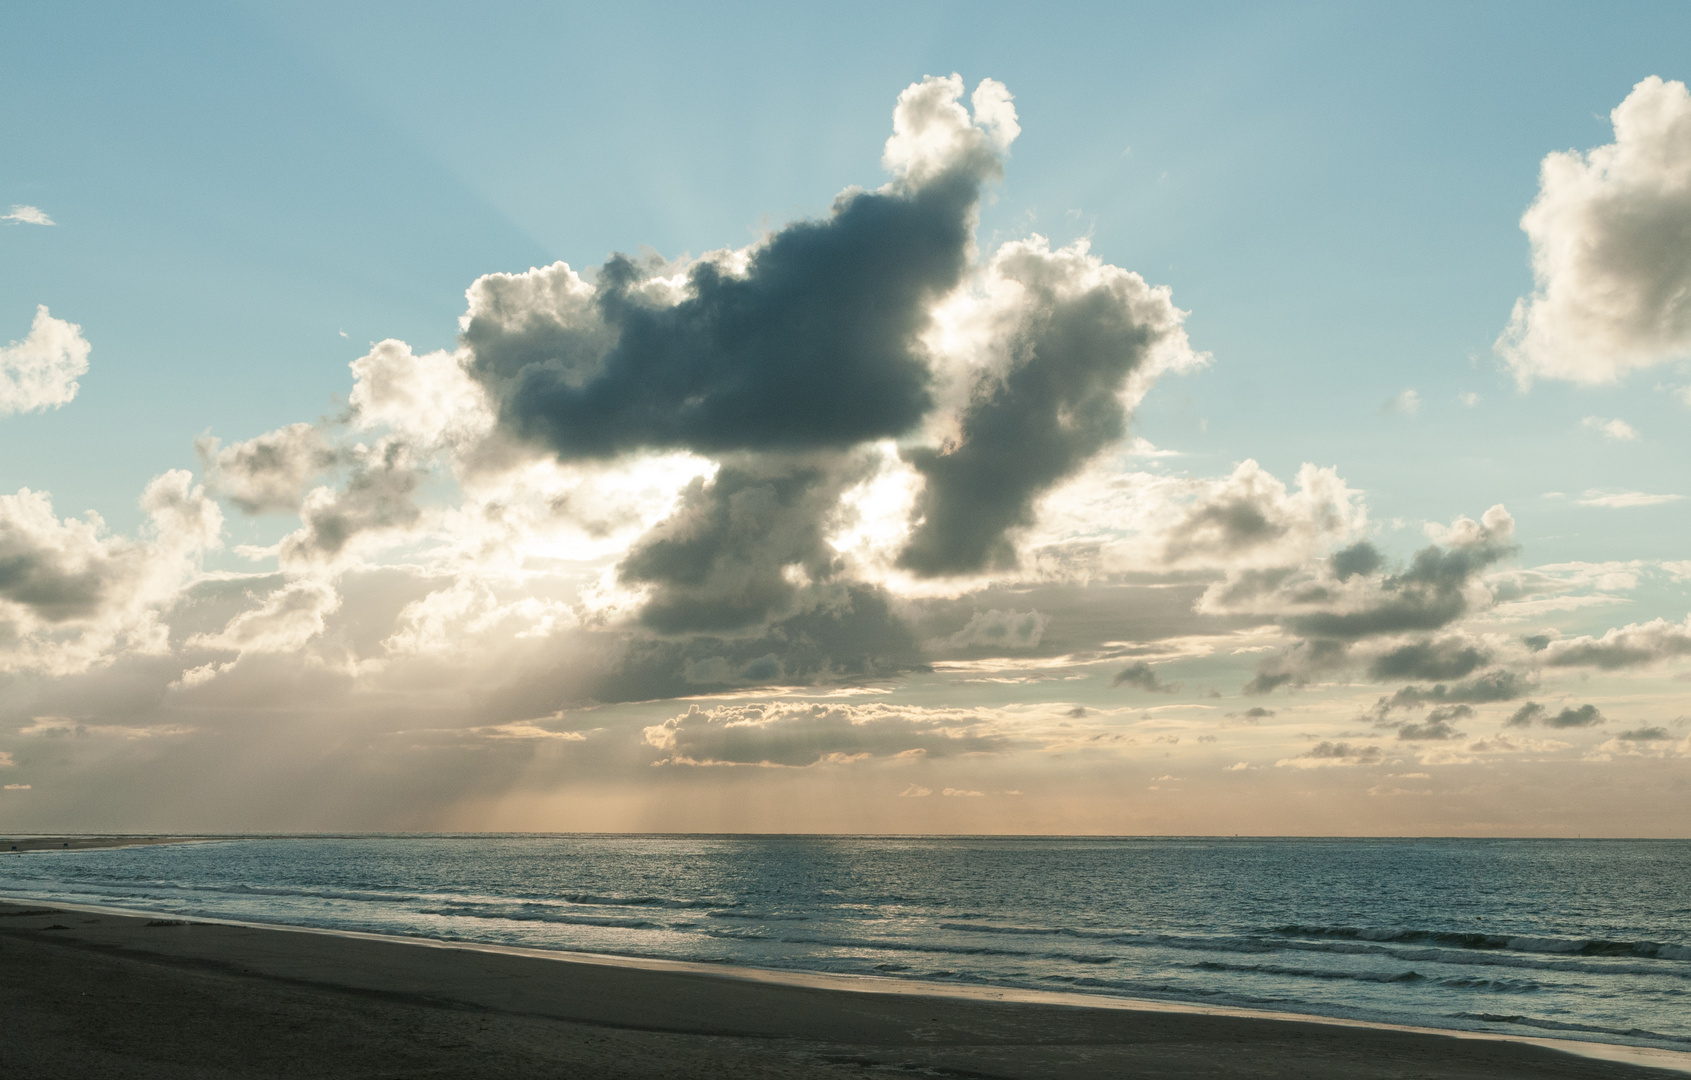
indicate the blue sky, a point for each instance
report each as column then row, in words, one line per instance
column 245, row 198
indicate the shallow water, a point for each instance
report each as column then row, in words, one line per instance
column 1584, row 939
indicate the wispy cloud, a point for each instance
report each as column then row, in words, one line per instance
column 1616, row 500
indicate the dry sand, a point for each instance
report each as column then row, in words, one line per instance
column 84, row 993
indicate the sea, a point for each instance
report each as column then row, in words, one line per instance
column 1569, row 939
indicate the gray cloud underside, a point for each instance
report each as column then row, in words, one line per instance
column 815, row 346
column 1021, row 434
column 801, row 735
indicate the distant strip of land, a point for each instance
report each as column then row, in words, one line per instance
column 78, row 843
column 87, row 993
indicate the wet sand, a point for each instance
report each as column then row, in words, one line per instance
column 100, row 994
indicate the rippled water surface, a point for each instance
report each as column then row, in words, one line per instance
column 1575, row 939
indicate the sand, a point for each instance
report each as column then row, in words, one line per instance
column 89, row 993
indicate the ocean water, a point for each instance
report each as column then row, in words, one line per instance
column 1561, row 938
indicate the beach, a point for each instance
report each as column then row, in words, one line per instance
column 99, row 993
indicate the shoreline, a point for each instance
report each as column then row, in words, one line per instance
column 119, row 929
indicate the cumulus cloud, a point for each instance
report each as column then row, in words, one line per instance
column 377, row 497
column 1612, row 428
column 999, row 629
column 271, row 472
column 1612, row 271
column 71, row 594
column 1326, row 753
column 802, row 734
column 27, row 215
column 741, row 544
column 284, row 621
column 40, row 372
column 1570, row 717
column 430, row 400
column 1142, row 676
column 1498, row 685
column 1051, row 385
column 1334, row 605
column 1633, row 645
column 810, row 339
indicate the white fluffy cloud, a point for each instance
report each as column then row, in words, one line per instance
column 71, row 595
column 40, row 372
column 1610, row 255
column 27, row 215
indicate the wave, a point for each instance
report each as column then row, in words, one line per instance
column 1461, row 982
column 1561, row 1025
column 1529, row 943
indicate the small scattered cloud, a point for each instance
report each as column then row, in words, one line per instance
column 1620, row 500
column 1408, row 403
column 1612, row 428
column 962, row 793
column 915, row 791
column 27, row 215
column 1468, row 399
column 1325, row 754
column 1142, row 676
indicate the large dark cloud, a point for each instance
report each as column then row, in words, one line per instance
column 725, row 558
column 1028, row 427
column 815, row 345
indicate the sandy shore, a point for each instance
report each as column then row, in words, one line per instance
column 99, row 994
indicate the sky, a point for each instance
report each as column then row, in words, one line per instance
column 1238, row 419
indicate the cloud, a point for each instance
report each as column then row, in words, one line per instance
column 810, row 339
column 1333, row 605
column 1532, row 711
column 430, row 400
column 1645, row 734
column 1437, row 725
column 802, row 734
column 1616, row 430
column 284, row 621
column 742, row 544
column 1141, row 676
column 916, row 791
column 1433, row 658
column 40, row 372
column 271, row 472
column 1633, row 645
column 1065, row 336
column 376, row 498
column 1499, row 685
column 27, row 215
column 1623, row 499
column 1612, row 272
column 71, row 595
column 1325, row 754
column 1408, row 403
column 999, row 629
